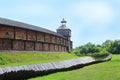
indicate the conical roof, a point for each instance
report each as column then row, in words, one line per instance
column 63, row 26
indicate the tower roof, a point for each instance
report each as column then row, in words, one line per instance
column 63, row 26
column 63, row 21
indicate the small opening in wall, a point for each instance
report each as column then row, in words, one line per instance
column 7, row 33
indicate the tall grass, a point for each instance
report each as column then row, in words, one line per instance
column 14, row 59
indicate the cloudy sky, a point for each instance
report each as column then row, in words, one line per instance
column 90, row 20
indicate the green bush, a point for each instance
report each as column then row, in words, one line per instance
column 99, row 55
column 102, row 53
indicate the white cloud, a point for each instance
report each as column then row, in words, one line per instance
column 93, row 12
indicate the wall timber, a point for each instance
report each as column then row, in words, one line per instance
column 14, row 38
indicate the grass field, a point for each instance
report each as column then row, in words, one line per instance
column 15, row 59
column 102, row 71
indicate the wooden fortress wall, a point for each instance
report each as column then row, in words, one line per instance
column 14, row 38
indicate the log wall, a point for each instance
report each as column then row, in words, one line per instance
column 14, row 38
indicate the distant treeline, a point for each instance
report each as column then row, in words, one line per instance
column 109, row 46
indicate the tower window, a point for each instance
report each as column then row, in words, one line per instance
column 6, row 33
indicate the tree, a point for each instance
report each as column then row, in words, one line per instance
column 108, row 45
column 116, row 47
column 112, row 46
column 87, row 48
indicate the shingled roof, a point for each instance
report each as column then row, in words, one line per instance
column 18, row 24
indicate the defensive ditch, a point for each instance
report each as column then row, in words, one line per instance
column 28, row 71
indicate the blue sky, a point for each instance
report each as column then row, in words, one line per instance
column 90, row 20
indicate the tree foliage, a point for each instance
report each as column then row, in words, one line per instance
column 109, row 46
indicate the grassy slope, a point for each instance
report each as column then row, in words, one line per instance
column 102, row 71
column 12, row 59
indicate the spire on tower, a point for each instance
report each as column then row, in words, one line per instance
column 63, row 21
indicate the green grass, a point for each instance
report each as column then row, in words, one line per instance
column 102, row 71
column 15, row 59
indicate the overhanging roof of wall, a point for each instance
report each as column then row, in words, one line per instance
column 18, row 24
